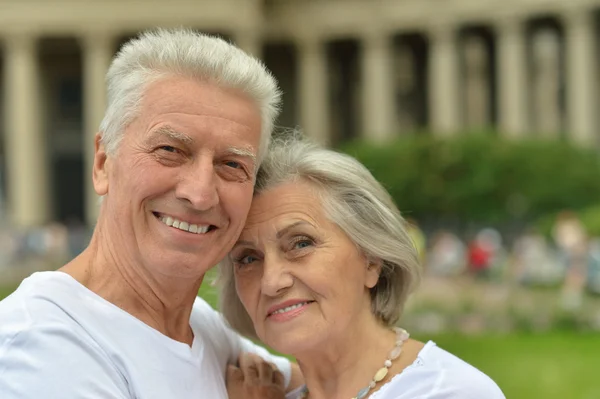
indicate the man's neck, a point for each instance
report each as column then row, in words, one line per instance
column 163, row 303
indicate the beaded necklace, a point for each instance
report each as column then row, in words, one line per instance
column 401, row 337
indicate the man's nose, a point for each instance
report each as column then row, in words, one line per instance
column 198, row 185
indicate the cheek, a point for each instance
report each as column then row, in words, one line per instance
column 236, row 201
column 247, row 290
column 138, row 175
column 348, row 275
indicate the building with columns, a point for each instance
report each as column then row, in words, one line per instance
column 348, row 68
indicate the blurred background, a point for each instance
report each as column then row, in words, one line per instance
column 480, row 117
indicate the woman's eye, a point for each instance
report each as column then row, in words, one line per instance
column 246, row 259
column 302, row 243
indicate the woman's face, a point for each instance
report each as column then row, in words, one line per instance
column 301, row 279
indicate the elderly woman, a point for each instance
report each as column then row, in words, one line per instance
column 321, row 272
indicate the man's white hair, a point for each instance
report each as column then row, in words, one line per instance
column 183, row 52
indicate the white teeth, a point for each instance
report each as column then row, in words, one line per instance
column 289, row 308
column 185, row 226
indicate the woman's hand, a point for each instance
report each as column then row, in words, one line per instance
column 254, row 379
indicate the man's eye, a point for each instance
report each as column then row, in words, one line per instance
column 168, row 148
column 233, row 164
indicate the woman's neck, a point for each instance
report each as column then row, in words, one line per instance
column 345, row 364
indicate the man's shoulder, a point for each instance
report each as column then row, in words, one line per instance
column 44, row 304
column 50, row 358
column 39, row 296
column 205, row 317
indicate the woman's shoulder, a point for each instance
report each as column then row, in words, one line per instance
column 438, row 374
column 458, row 376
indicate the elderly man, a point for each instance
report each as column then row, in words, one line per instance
column 188, row 120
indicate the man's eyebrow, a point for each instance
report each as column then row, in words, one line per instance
column 243, row 152
column 173, row 134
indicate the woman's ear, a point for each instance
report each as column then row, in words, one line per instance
column 373, row 272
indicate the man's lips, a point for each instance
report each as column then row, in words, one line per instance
column 188, row 224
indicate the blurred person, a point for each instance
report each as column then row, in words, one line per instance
column 533, row 261
column 572, row 241
column 8, row 247
column 77, row 236
column 487, row 256
column 479, row 257
column 321, row 272
column 492, row 240
column 447, row 254
column 57, row 250
column 188, row 121
column 593, row 272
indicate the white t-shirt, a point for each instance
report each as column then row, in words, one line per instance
column 435, row 374
column 60, row 340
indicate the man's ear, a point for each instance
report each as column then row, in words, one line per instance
column 373, row 272
column 101, row 166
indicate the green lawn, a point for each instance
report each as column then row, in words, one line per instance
column 5, row 291
column 548, row 366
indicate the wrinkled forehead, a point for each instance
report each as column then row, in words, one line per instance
column 283, row 205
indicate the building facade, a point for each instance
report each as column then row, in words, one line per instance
column 348, row 68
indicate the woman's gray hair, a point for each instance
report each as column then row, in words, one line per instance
column 183, row 52
column 355, row 201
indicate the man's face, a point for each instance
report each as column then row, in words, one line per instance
column 178, row 189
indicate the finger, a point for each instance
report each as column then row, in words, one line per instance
column 251, row 375
column 278, row 379
column 234, row 373
column 249, row 369
column 247, row 358
column 265, row 371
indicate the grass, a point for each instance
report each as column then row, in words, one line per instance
column 551, row 366
column 5, row 291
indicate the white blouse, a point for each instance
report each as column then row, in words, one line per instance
column 435, row 374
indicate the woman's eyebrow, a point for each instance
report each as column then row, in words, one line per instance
column 283, row 231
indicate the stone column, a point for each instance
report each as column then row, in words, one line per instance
column 405, row 87
column 313, row 89
column 581, row 77
column 98, row 50
column 476, row 84
column 378, row 88
column 512, row 78
column 26, row 149
column 546, row 83
column 444, row 81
